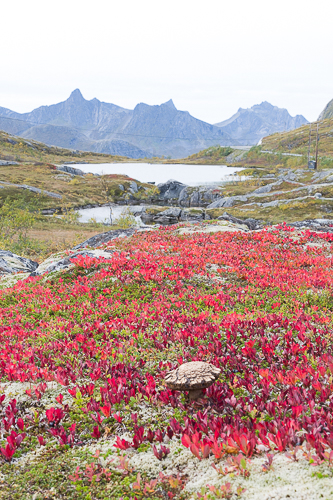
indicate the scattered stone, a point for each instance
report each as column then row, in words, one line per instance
column 324, row 225
column 192, row 377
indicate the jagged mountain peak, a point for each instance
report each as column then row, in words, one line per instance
column 76, row 95
column 169, row 104
column 249, row 125
column 147, row 107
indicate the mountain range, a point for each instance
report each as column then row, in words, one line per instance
column 146, row 131
column 248, row 126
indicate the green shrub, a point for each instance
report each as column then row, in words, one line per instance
column 126, row 219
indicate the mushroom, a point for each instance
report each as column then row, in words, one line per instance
column 192, row 377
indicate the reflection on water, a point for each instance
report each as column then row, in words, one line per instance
column 102, row 214
column 193, row 175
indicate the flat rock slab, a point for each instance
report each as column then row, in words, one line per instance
column 62, row 260
column 213, row 228
column 11, row 263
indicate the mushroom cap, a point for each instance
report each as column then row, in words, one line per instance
column 191, row 376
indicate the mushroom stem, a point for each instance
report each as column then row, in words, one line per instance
column 196, row 394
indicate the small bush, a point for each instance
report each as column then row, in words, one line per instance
column 125, row 220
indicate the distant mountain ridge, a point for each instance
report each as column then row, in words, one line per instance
column 248, row 126
column 143, row 132
column 101, row 127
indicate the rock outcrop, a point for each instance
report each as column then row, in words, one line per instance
column 170, row 191
column 70, row 170
column 12, row 263
column 62, row 260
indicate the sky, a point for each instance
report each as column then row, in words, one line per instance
column 211, row 57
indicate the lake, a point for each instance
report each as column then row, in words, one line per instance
column 192, row 175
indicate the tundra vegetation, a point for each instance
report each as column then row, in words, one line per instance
column 85, row 412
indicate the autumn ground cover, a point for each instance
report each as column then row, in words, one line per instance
column 83, row 356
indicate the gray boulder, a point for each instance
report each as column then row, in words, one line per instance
column 265, row 189
column 193, row 214
column 12, row 263
column 133, row 187
column 70, row 170
column 170, row 190
column 168, row 217
column 199, row 196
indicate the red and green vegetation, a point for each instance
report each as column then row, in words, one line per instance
column 89, row 349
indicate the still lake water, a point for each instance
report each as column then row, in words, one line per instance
column 192, row 175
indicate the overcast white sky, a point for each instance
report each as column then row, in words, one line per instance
column 210, row 56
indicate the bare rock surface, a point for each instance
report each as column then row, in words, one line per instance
column 70, row 170
column 62, row 260
column 220, row 227
column 99, row 239
column 12, row 263
column 228, row 201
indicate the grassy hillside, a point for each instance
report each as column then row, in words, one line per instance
column 283, row 146
column 13, row 148
column 213, row 155
column 297, row 141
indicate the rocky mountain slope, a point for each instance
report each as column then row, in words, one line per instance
column 101, row 127
column 248, row 126
column 327, row 112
